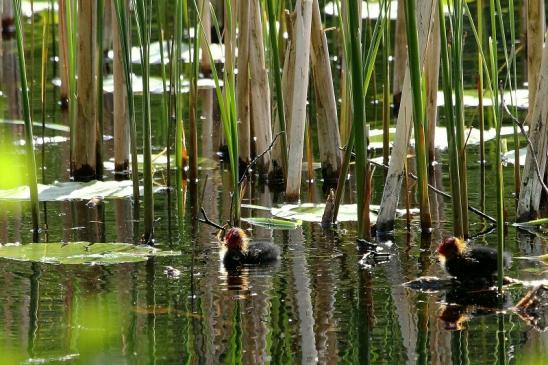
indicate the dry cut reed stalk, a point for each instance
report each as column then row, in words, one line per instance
column 121, row 112
column 531, row 187
column 244, row 133
column 259, row 89
column 535, row 38
column 392, row 187
column 84, row 155
column 326, row 106
column 302, row 29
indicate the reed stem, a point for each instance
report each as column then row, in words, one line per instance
column 275, row 55
column 29, row 139
column 451, row 137
column 122, row 8
column 418, row 114
column 358, row 125
column 143, row 32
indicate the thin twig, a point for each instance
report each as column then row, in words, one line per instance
column 442, row 193
column 254, row 161
column 529, row 144
column 209, row 222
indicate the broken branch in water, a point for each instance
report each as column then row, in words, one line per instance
column 442, row 193
column 209, row 222
column 254, row 161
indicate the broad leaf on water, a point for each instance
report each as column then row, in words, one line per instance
column 310, row 212
column 533, row 223
column 510, row 156
column 53, row 126
column 72, row 190
column 542, row 258
column 81, row 253
column 472, row 136
column 159, row 161
column 256, row 207
column 272, row 223
column 155, row 54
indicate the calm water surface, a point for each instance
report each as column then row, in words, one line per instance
column 318, row 304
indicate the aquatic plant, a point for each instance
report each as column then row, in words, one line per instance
column 121, row 9
column 226, row 96
column 418, row 114
column 143, row 18
column 359, row 123
column 29, row 139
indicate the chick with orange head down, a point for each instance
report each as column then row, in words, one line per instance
column 469, row 264
column 240, row 251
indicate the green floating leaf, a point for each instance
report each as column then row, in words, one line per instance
column 310, row 212
column 63, row 191
column 52, row 126
column 510, row 156
column 533, row 223
column 542, row 258
column 159, row 161
column 272, row 223
column 472, row 135
column 256, row 207
column 81, row 253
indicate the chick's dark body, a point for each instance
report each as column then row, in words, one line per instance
column 257, row 253
column 475, row 263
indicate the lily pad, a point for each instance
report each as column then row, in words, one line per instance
column 370, row 10
column 217, row 51
column 81, row 253
column 52, row 126
column 273, row 223
column 510, row 156
column 156, row 85
column 62, row 191
column 159, row 162
column 310, row 212
column 472, row 135
column 470, row 99
column 533, row 223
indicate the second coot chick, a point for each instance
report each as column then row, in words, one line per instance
column 469, row 264
column 240, row 251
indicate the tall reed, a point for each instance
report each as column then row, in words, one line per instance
column 358, row 125
column 227, row 107
column 386, row 94
column 498, row 122
column 457, row 32
column 418, row 114
column 481, row 115
column 71, row 21
column 166, row 94
column 99, row 88
column 29, row 140
column 451, row 129
column 194, row 75
column 176, row 68
column 275, row 56
column 143, row 18
column 491, row 74
column 122, row 9
column 368, row 64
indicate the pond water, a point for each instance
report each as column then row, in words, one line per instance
column 320, row 303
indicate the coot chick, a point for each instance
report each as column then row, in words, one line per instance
column 469, row 264
column 240, row 251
